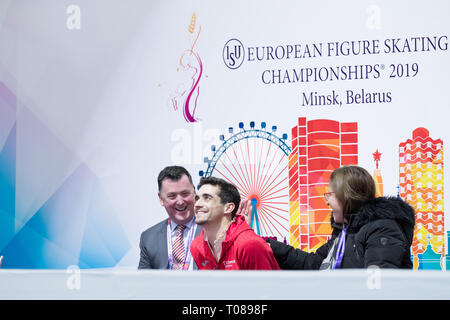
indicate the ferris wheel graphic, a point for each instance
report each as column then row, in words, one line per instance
column 256, row 162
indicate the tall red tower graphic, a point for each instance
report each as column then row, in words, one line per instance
column 318, row 147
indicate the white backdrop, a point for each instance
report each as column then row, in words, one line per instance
column 99, row 78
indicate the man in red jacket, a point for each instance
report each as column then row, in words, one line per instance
column 226, row 242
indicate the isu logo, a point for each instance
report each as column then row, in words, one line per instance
column 233, row 53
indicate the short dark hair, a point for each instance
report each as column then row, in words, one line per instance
column 228, row 192
column 173, row 173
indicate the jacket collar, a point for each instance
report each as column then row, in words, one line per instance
column 392, row 208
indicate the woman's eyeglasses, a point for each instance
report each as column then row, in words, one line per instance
column 327, row 195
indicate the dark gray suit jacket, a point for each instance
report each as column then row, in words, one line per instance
column 153, row 246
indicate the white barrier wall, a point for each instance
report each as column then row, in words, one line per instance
column 104, row 284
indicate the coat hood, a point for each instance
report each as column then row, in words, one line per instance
column 392, row 208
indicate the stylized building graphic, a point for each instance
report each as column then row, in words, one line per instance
column 377, row 174
column 422, row 185
column 318, row 147
column 429, row 260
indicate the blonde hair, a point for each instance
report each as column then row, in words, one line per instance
column 352, row 185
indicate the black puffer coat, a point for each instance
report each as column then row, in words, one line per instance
column 380, row 234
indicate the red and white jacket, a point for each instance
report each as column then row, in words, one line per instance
column 242, row 249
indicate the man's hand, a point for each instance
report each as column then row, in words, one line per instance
column 245, row 209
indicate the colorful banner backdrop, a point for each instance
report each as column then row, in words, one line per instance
column 96, row 97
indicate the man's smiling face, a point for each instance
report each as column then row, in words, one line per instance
column 178, row 197
column 208, row 206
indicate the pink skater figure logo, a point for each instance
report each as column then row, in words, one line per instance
column 191, row 67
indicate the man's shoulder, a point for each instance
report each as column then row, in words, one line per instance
column 155, row 228
column 249, row 240
column 254, row 253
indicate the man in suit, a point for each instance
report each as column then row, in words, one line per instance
column 166, row 244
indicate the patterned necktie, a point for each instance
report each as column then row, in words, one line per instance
column 178, row 249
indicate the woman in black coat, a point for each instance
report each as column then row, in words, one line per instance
column 367, row 231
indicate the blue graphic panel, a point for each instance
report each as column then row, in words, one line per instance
column 7, row 189
column 74, row 227
column 104, row 242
